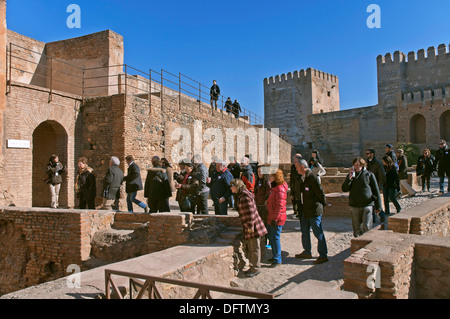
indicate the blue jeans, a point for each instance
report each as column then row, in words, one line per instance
column 274, row 235
column 131, row 198
column 316, row 224
column 441, row 183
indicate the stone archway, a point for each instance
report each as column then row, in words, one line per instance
column 444, row 125
column 418, row 129
column 49, row 138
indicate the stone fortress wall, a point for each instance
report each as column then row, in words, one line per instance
column 413, row 93
column 109, row 114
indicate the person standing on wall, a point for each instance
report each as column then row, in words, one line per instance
column 253, row 226
column 228, row 105
column 54, row 170
column 111, row 183
column 236, row 109
column 364, row 196
column 313, row 204
column 443, row 165
column 402, row 161
column 133, row 184
column 425, row 166
column 85, row 184
column 214, row 93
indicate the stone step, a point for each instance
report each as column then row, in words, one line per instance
column 315, row 289
column 128, row 217
column 127, row 225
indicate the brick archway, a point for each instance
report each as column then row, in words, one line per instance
column 444, row 124
column 418, row 129
column 49, row 138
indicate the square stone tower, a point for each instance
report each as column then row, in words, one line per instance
column 290, row 99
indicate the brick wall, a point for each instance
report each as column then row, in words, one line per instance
column 38, row 244
column 412, row 256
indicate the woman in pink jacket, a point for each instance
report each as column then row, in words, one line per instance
column 276, row 207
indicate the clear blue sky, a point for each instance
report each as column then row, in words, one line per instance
column 239, row 43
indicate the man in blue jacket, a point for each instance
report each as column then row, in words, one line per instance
column 220, row 191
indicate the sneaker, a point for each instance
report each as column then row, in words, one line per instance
column 321, row 260
column 273, row 265
column 303, row 255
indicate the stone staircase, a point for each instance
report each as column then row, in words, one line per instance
column 226, row 236
column 127, row 221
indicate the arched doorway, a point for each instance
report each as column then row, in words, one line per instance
column 49, row 138
column 417, row 129
column 444, row 124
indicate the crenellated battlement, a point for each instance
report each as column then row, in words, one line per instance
column 427, row 95
column 300, row 75
column 421, row 55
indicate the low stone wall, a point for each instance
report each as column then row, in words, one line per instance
column 428, row 218
column 38, row 244
column 412, row 257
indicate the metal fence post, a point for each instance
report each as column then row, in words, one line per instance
column 179, row 90
column 161, row 94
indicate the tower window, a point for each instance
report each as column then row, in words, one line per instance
column 329, row 93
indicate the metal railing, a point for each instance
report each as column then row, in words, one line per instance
column 149, row 286
column 30, row 67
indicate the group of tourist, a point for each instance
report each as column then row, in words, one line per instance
column 369, row 178
column 258, row 192
column 230, row 106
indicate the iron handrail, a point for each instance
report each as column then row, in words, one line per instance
column 202, row 93
column 150, row 281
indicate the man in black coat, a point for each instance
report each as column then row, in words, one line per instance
column 133, row 184
column 443, row 165
column 157, row 187
column 375, row 166
column 313, row 204
column 111, row 183
column 364, row 196
column 236, row 108
column 214, row 92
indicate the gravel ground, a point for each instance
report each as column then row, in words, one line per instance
column 338, row 234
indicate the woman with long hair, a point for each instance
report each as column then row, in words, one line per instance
column 391, row 185
column 276, row 217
